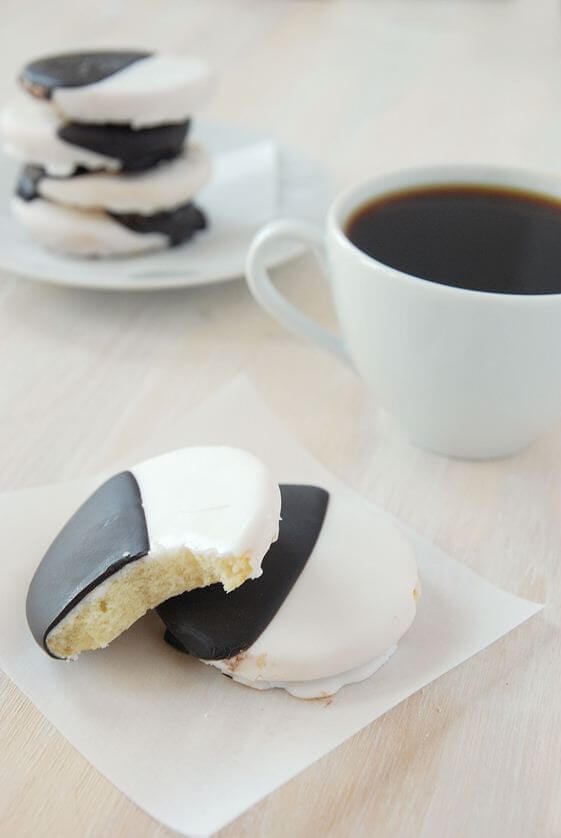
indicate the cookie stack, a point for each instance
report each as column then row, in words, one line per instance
column 108, row 168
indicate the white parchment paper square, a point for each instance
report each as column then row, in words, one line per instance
column 190, row 747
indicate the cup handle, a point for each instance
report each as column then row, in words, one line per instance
column 259, row 281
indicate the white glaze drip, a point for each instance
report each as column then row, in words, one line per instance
column 321, row 687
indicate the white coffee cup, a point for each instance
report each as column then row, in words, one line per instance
column 466, row 373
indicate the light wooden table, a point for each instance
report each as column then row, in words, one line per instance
column 88, row 378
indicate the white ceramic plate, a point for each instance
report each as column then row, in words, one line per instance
column 300, row 189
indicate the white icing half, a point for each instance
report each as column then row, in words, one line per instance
column 164, row 187
column 215, row 501
column 321, row 687
column 155, row 90
column 354, row 600
column 81, row 232
column 29, row 132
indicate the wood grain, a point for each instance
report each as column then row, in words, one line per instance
column 88, row 378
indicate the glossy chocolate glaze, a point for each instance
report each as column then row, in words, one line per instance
column 75, row 69
column 137, row 149
column 212, row 625
column 106, row 533
column 179, row 224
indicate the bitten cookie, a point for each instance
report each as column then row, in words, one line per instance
column 134, row 87
column 184, row 520
column 338, row 591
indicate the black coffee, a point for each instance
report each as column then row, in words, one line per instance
column 477, row 237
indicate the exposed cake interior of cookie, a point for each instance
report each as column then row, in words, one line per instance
column 183, row 520
column 115, row 604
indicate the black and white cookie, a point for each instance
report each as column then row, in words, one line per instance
column 338, row 591
column 187, row 519
column 103, row 134
column 33, row 132
column 133, row 87
column 97, row 233
column 161, row 188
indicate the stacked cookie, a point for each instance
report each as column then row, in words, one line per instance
column 108, row 168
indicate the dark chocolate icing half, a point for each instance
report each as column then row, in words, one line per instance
column 106, row 533
column 75, row 69
column 212, row 625
column 179, row 224
column 136, row 148
column 28, row 182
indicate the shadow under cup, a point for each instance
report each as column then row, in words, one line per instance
column 468, row 373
